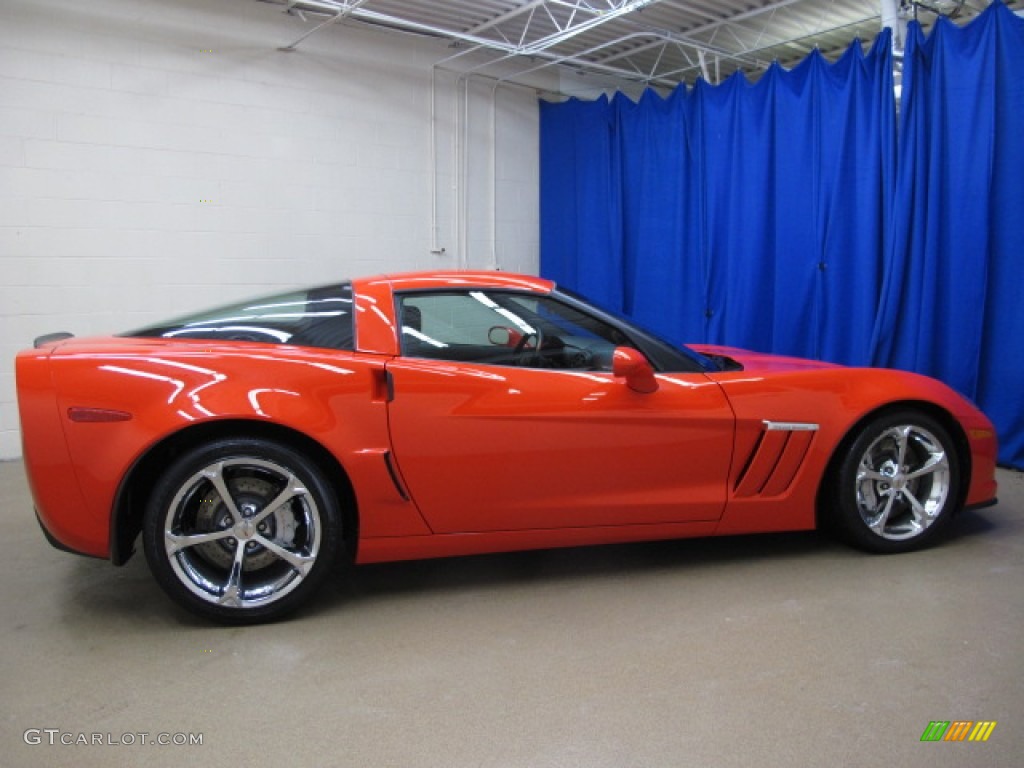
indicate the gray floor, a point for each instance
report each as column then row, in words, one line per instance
column 782, row 650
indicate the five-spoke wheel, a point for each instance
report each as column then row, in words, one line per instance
column 241, row 530
column 897, row 484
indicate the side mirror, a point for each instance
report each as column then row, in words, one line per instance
column 500, row 336
column 631, row 365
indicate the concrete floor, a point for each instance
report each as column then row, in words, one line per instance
column 786, row 650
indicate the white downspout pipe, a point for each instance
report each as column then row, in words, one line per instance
column 894, row 20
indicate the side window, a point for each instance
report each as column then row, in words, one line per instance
column 501, row 328
column 319, row 317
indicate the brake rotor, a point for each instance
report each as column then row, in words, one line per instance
column 251, row 494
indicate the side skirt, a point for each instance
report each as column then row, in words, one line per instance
column 393, row 548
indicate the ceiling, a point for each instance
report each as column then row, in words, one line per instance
column 651, row 42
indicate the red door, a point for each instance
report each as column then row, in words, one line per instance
column 495, row 448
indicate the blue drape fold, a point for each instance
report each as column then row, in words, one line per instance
column 580, row 198
column 950, row 307
column 779, row 216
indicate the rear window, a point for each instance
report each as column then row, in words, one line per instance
column 315, row 317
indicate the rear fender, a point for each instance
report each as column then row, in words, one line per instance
column 335, row 400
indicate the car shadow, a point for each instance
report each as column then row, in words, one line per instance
column 129, row 597
column 362, row 583
column 574, row 563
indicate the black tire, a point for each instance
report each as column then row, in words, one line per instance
column 882, row 504
column 263, row 551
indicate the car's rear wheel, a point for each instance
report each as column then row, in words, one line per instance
column 898, row 483
column 242, row 530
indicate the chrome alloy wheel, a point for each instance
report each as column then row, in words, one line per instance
column 902, row 482
column 242, row 532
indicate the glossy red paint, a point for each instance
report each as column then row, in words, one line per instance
column 484, row 448
column 449, row 458
column 837, row 399
column 632, row 366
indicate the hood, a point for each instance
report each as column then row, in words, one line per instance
column 758, row 361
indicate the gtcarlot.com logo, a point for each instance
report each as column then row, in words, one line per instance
column 55, row 736
column 958, row 730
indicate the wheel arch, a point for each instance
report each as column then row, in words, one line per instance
column 937, row 412
column 134, row 491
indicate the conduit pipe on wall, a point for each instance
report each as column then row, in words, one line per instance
column 495, row 262
column 499, row 83
column 435, row 246
column 460, row 158
column 461, row 150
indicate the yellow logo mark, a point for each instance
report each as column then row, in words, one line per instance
column 982, row 730
column 958, row 730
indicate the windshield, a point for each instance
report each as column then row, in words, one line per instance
column 664, row 355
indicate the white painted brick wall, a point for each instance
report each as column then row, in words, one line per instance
column 158, row 157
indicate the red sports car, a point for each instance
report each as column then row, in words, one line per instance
column 256, row 446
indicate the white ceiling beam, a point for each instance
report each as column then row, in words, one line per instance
column 340, row 10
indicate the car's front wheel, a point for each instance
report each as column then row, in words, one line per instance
column 242, row 530
column 898, row 483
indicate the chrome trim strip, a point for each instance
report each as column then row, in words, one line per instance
column 789, row 426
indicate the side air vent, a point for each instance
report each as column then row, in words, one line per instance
column 775, row 459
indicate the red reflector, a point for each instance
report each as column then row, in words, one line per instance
column 93, row 415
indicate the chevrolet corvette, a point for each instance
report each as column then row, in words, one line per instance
column 254, row 448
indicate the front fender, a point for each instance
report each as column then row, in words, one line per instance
column 835, row 400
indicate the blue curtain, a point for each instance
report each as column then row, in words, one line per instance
column 580, row 198
column 657, row 178
column 740, row 214
column 797, row 169
column 779, row 216
column 951, row 305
